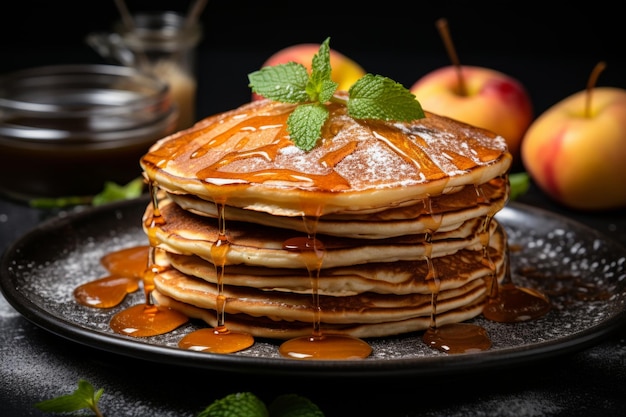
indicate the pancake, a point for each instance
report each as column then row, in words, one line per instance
column 185, row 233
column 387, row 217
column 244, row 157
column 358, row 308
column 448, row 210
column 402, row 277
column 367, row 311
column 281, row 329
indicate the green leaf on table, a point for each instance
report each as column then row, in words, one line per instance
column 238, row 404
column 243, row 404
column 83, row 397
column 519, row 184
column 248, row 405
column 60, row 202
column 115, row 192
column 293, row 405
column 110, row 193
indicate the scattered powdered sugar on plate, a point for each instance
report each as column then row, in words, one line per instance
column 583, row 274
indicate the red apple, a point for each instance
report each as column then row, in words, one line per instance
column 575, row 151
column 493, row 100
column 345, row 71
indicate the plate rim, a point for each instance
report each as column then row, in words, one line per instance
column 422, row 366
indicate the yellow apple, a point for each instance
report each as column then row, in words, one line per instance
column 345, row 71
column 576, row 155
column 494, row 101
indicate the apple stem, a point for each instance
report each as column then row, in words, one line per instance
column 591, row 83
column 444, row 31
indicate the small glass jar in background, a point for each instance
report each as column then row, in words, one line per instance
column 161, row 43
column 65, row 130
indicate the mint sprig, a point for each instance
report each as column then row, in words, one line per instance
column 110, row 193
column 249, row 405
column 237, row 404
column 294, row 405
column 83, row 397
column 519, row 183
column 370, row 97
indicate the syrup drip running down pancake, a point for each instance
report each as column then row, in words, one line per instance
column 448, row 211
column 354, row 300
column 262, row 246
column 403, row 210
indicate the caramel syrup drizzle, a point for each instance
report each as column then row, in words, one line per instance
column 125, row 269
column 453, row 337
column 148, row 319
column 505, row 303
column 510, row 303
column 463, row 337
column 457, row 338
column 220, row 339
column 234, row 145
column 319, row 345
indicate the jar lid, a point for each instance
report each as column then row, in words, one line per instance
column 82, row 103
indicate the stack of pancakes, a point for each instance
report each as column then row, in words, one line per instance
column 400, row 215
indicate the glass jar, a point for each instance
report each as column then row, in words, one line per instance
column 65, row 130
column 160, row 43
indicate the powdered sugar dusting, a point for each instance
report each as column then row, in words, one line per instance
column 551, row 252
column 366, row 154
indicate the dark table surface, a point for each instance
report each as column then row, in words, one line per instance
column 36, row 364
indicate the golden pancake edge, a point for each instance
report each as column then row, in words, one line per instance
column 403, row 213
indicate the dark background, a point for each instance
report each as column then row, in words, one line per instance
column 550, row 47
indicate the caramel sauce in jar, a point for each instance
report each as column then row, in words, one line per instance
column 59, row 122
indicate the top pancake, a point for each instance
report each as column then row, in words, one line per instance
column 245, row 158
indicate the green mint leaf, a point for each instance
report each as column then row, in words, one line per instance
column 371, row 97
column 519, row 183
column 110, row 193
column 238, row 404
column 320, row 86
column 293, row 405
column 328, row 88
column 378, row 97
column 114, row 192
column 59, row 202
column 83, row 397
column 305, row 124
column 285, row 82
column 320, row 65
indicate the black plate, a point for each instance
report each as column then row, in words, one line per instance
column 583, row 270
